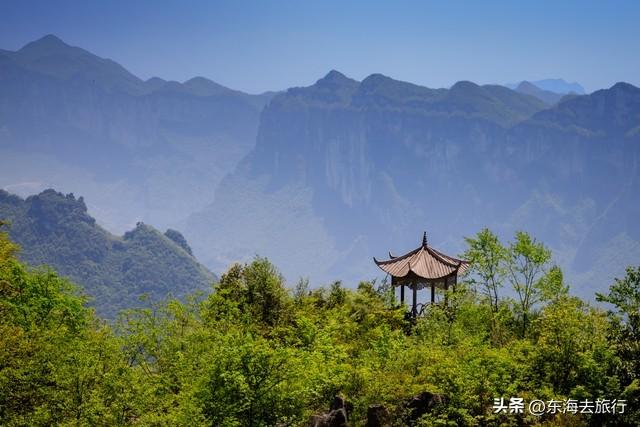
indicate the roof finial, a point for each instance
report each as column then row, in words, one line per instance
column 424, row 239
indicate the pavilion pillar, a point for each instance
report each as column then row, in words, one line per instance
column 446, row 289
column 415, row 299
column 402, row 294
column 433, row 293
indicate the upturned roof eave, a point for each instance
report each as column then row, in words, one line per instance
column 396, row 259
column 454, row 265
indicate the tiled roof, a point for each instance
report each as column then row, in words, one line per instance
column 424, row 262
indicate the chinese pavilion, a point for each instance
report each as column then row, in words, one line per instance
column 421, row 268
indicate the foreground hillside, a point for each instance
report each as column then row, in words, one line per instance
column 56, row 230
column 254, row 354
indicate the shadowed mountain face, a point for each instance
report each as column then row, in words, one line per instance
column 344, row 170
column 151, row 150
column 55, row 230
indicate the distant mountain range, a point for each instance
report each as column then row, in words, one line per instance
column 343, row 170
column 549, row 91
column 559, row 86
column 548, row 97
column 152, row 150
column 55, row 230
column 322, row 178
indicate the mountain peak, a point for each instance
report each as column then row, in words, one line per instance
column 560, row 86
column 155, row 83
column 526, row 86
column 546, row 96
column 50, row 39
column 201, row 86
column 52, row 56
column 199, row 80
column 155, row 80
column 623, row 86
column 204, row 87
column 47, row 43
column 557, row 86
column 335, row 75
column 335, row 78
column 465, row 86
column 376, row 78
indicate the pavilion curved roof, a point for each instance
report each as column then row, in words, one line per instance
column 424, row 262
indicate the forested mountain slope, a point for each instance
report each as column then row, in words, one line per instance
column 55, row 230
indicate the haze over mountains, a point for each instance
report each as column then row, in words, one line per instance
column 559, row 86
column 322, row 178
column 139, row 150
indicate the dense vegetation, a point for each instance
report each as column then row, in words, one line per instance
column 254, row 353
column 56, row 230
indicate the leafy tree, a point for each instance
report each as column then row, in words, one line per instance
column 301, row 290
column 248, row 384
column 58, row 364
column 258, row 289
column 624, row 295
column 7, row 248
column 572, row 348
column 624, row 336
column 338, row 294
column 552, row 286
column 448, row 312
column 526, row 263
column 487, row 257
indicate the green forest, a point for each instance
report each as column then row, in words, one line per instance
column 254, row 352
column 55, row 229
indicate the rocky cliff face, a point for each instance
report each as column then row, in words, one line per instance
column 580, row 164
column 380, row 160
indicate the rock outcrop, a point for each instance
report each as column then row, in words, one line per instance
column 338, row 415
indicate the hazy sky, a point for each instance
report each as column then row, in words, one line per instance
column 266, row 45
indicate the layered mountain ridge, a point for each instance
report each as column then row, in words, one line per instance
column 155, row 149
column 321, row 178
column 378, row 161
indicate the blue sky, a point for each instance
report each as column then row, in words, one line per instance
column 269, row 45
